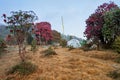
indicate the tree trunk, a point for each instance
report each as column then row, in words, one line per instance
column 21, row 54
column 21, row 48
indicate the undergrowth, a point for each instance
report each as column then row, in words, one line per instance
column 70, row 48
column 49, row 52
column 117, row 59
column 114, row 74
column 24, row 68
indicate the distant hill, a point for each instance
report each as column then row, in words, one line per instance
column 69, row 37
column 3, row 31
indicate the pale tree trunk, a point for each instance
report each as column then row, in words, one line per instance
column 24, row 45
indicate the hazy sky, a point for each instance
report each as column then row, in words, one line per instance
column 74, row 12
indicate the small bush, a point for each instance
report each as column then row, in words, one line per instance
column 117, row 59
column 86, row 47
column 24, row 68
column 115, row 74
column 34, row 45
column 63, row 43
column 29, row 39
column 116, row 45
column 49, row 52
column 70, row 48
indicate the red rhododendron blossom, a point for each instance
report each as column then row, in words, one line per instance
column 5, row 20
column 4, row 15
column 11, row 31
column 9, row 37
column 17, row 30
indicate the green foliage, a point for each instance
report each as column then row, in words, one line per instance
column 86, row 47
column 115, row 74
column 49, row 52
column 29, row 39
column 63, row 43
column 117, row 59
column 82, row 43
column 111, row 27
column 116, row 45
column 70, row 48
column 34, row 45
column 104, row 24
column 24, row 68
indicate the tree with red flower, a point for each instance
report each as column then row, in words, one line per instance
column 95, row 22
column 19, row 24
column 43, row 32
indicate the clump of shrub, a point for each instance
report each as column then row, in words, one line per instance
column 117, row 59
column 63, row 43
column 29, row 39
column 116, row 45
column 49, row 52
column 70, row 48
column 115, row 74
column 33, row 45
column 24, row 68
column 86, row 47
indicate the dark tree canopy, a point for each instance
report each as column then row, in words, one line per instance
column 56, row 36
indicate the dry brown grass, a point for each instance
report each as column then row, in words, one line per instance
column 67, row 65
column 104, row 55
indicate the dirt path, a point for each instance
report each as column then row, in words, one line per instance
column 67, row 65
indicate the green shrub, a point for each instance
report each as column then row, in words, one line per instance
column 115, row 74
column 29, row 39
column 82, row 43
column 116, row 45
column 86, row 47
column 49, row 52
column 34, row 45
column 24, row 68
column 117, row 59
column 63, row 43
column 70, row 48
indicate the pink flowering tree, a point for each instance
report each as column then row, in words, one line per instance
column 43, row 32
column 95, row 22
column 19, row 24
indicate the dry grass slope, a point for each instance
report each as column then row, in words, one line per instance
column 67, row 65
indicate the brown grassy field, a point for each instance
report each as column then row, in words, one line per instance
column 66, row 65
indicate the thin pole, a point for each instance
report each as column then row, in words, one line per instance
column 62, row 24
